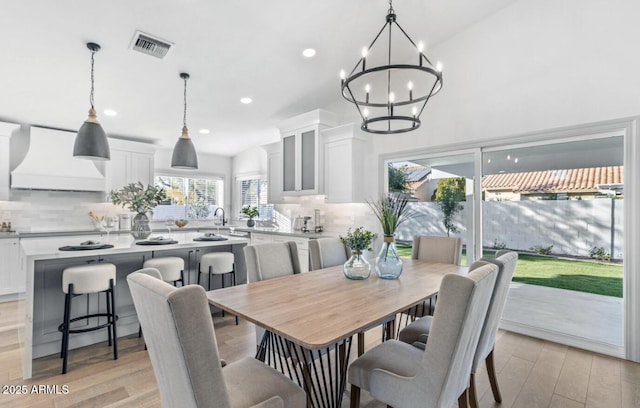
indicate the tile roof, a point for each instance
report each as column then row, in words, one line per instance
column 569, row 180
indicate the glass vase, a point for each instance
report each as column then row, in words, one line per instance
column 356, row 267
column 388, row 263
column 140, row 228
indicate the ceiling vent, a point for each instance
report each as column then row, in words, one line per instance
column 150, row 45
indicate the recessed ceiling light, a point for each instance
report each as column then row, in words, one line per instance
column 246, row 100
column 309, row 52
column 110, row 112
column 205, row 131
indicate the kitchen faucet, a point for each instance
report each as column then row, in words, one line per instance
column 216, row 213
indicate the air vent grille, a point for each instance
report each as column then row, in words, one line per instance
column 150, row 45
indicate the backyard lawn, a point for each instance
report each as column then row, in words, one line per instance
column 582, row 276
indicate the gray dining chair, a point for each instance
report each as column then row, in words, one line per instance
column 417, row 333
column 268, row 261
column 434, row 249
column 327, row 252
column 184, row 353
column 401, row 375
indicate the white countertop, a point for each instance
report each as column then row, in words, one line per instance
column 47, row 248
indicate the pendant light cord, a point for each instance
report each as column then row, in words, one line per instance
column 92, row 78
column 184, row 120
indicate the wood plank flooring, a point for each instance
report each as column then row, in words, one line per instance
column 531, row 373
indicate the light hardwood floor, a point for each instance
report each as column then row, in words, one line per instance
column 531, row 372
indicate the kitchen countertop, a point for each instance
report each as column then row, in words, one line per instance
column 280, row 231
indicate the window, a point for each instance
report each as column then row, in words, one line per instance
column 193, row 198
column 254, row 193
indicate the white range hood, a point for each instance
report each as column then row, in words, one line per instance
column 50, row 165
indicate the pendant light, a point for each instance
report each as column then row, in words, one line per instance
column 184, row 153
column 91, row 141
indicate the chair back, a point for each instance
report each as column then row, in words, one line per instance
column 327, row 252
column 506, row 262
column 462, row 306
column 437, row 249
column 181, row 341
column 268, row 261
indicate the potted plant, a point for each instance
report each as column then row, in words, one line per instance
column 358, row 241
column 140, row 200
column 391, row 210
column 250, row 212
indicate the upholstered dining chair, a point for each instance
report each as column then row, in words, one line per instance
column 434, row 249
column 184, row 354
column 417, row 332
column 401, row 375
column 327, row 252
column 268, row 261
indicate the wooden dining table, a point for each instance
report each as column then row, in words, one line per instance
column 310, row 318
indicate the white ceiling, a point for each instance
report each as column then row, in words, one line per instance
column 230, row 48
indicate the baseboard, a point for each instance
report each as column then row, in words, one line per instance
column 11, row 297
column 562, row 338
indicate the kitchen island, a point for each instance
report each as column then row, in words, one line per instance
column 43, row 263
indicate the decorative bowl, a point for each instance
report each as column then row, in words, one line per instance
column 181, row 223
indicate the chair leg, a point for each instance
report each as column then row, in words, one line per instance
column 64, row 319
column 360, row 343
column 463, row 401
column 473, row 396
column 114, row 320
column 210, row 276
column 355, row 396
column 493, row 380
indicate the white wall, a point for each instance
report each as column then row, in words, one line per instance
column 534, row 65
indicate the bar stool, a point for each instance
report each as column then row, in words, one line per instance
column 85, row 280
column 171, row 269
column 218, row 263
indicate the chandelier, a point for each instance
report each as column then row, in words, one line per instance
column 390, row 93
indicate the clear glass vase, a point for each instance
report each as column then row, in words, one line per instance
column 388, row 263
column 357, row 267
column 140, row 228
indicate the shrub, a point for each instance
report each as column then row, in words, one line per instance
column 498, row 245
column 538, row 249
column 600, row 253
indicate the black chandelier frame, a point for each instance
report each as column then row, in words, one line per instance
column 413, row 122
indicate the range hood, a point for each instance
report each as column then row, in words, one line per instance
column 50, row 165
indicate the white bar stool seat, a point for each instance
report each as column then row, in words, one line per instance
column 218, row 263
column 85, row 280
column 171, row 268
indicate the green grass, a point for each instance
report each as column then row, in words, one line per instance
column 570, row 274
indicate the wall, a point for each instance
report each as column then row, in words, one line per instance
column 534, row 65
column 573, row 227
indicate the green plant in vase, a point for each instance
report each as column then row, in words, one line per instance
column 358, row 241
column 250, row 212
column 140, row 200
column 391, row 210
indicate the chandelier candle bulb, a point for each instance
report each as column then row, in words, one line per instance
column 410, row 86
column 439, row 66
column 367, row 89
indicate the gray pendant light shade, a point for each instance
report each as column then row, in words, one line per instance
column 91, row 141
column 184, row 153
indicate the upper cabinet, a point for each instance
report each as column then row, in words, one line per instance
column 274, row 172
column 130, row 162
column 302, row 154
column 344, row 149
column 5, row 135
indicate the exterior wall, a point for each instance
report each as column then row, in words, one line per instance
column 573, row 227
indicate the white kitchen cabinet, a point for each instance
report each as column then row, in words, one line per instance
column 301, row 153
column 5, row 135
column 344, row 150
column 274, row 173
column 12, row 278
column 301, row 243
column 130, row 162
